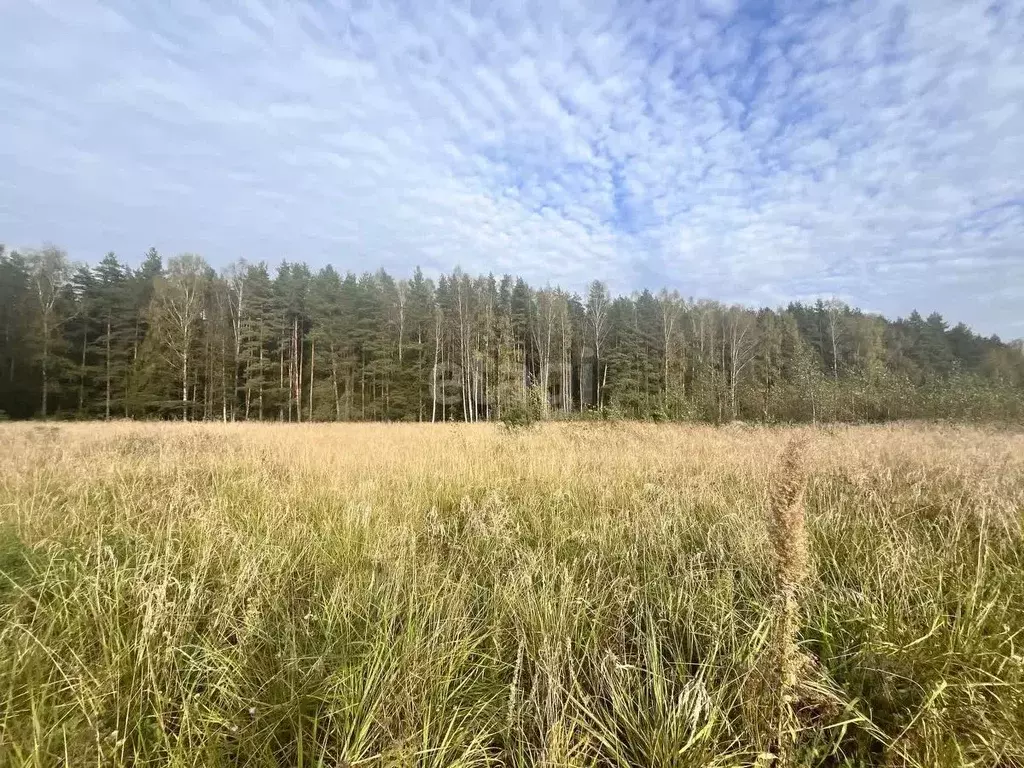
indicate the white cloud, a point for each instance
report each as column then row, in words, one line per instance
column 870, row 149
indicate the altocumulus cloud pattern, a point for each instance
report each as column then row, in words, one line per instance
column 755, row 152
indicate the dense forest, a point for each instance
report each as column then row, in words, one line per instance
column 177, row 340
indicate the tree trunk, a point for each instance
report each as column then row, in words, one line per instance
column 184, row 386
column 224, row 383
column 208, row 383
column 262, row 369
column 195, row 391
column 581, row 376
column 280, row 405
column 835, row 359
column 733, row 362
column 334, row 383
column 7, row 346
column 46, row 361
column 312, row 369
column 464, row 377
column 297, row 353
column 107, row 401
column 666, row 383
column 81, row 370
column 350, row 385
column 433, row 373
column 419, row 372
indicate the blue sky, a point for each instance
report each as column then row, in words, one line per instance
column 753, row 152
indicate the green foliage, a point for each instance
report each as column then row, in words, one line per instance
column 110, row 341
column 522, row 411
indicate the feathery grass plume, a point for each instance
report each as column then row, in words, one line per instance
column 787, row 528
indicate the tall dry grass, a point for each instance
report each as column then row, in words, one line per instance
column 574, row 595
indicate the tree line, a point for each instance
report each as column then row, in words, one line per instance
column 179, row 340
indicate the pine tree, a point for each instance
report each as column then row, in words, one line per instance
column 113, row 314
column 17, row 395
column 113, row 341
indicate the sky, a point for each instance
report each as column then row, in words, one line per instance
column 755, row 152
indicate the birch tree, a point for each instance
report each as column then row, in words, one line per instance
column 741, row 334
column 671, row 307
column 50, row 274
column 178, row 308
column 598, row 301
column 543, row 327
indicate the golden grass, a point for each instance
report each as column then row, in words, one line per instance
column 585, row 594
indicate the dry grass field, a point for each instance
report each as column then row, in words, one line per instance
column 570, row 595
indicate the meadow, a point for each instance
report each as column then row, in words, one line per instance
column 465, row 595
